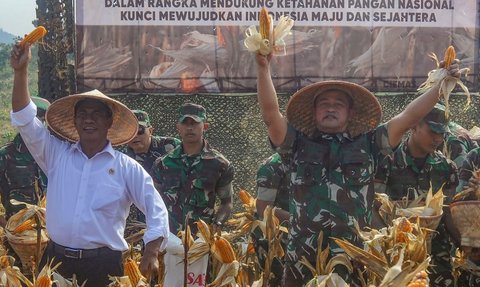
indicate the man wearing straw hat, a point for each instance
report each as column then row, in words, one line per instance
column 414, row 168
column 331, row 131
column 91, row 186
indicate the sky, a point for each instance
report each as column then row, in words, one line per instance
column 16, row 16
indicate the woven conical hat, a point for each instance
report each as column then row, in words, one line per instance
column 60, row 118
column 301, row 109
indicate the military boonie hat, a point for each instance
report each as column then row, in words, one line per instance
column 437, row 119
column 41, row 103
column 143, row 118
column 194, row 111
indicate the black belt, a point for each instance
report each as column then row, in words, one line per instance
column 80, row 253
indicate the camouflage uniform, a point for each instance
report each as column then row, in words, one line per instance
column 273, row 181
column 19, row 172
column 403, row 177
column 459, row 143
column 190, row 184
column 471, row 163
column 18, row 175
column 332, row 185
column 273, row 186
column 159, row 147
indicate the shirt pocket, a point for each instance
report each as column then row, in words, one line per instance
column 311, row 165
column 357, row 168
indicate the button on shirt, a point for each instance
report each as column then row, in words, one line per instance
column 88, row 199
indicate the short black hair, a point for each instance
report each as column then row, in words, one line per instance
column 105, row 106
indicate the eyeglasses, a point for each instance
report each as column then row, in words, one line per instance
column 141, row 130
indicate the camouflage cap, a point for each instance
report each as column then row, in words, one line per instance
column 143, row 118
column 41, row 103
column 194, row 111
column 437, row 120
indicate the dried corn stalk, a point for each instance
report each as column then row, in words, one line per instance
column 10, row 275
column 447, row 82
column 433, row 205
column 323, row 272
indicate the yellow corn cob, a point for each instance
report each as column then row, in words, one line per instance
column 131, row 270
column 26, row 225
column 245, row 197
column 264, row 24
column 43, row 281
column 34, row 36
column 404, row 225
column 222, row 250
column 204, row 229
column 449, row 56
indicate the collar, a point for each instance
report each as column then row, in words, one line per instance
column 403, row 158
column 107, row 149
column 205, row 153
column 340, row 137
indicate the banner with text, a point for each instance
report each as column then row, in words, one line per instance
column 197, row 45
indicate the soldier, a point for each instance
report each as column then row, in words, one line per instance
column 414, row 168
column 335, row 144
column 272, row 189
column 467, row 179
column 91, row 186
column 21, row 178
column 458, row 143
column 145, row 148
column 192, row 176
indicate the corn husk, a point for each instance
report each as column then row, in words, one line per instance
column 447, row 82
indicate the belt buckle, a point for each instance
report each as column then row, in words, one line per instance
column 72, row 253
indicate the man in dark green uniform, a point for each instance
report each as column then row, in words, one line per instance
column 145, row 148
column 272, row 189
column 331, row 132
column 414, row 168
column 21, row 178
column 458, row 143
column 192, row 176
column 471, row 164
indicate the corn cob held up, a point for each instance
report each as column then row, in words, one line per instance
column 33, row 36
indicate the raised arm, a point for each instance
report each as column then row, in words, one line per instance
column 267, row 99
column 416, row 110
column 19, row 60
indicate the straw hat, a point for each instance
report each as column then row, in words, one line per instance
column 60, row 118
column 367, row 115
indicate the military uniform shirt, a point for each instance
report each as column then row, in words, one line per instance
column 189, row 184
column 18, row 174
column 332, row 186
column 273, row 181
column 403, row 178
column 159, row 147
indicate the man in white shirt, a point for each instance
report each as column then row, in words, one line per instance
column 91, row 186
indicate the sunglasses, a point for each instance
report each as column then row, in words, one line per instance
column 141, row 130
